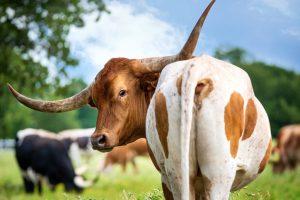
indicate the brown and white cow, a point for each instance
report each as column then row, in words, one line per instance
column 233, row 136
column 288, row 148
column 124, row 154
column 207, row 131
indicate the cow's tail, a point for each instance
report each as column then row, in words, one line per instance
column 188, row 86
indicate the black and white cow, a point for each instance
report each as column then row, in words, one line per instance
column 43, row 155
column 79, row 146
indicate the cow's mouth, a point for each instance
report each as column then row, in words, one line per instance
column 103, row 150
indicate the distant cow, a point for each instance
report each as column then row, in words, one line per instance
column 41, row 155
column 288, row 147
column 79, row 145
column 124, row 154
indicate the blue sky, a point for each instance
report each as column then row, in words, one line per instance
column 268, row 29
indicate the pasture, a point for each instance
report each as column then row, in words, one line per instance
column 145, row 185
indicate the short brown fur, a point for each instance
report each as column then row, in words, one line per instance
column 265, row 160
column 167, row 193
column 207, row 183
column 179, row 84
column 153, row 158
column 250, row 119
column 162, row 122
column 202, row 90
column 234, row 121
column 122, row 118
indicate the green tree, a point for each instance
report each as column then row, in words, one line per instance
column 33, row 35
column 275, row 87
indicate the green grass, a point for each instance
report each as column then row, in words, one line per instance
column 145, row 185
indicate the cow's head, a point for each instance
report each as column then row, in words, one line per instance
column 121, row 92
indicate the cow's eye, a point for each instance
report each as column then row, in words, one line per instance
column 122, row 93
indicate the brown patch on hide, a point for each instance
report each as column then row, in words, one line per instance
column 167, row 193
column 162, row 123
column 234, row 121
column 202, row 90
column 250, row 119
column 153, row 158
column 179, row 84
column 266, row 158
column 239, row 177
column 207, row 187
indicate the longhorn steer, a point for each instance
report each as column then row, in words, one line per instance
column 288, row 147
column 122, row 91
column 41, row 155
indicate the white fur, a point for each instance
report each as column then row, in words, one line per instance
column 75, row 133
column 80, row 182
column 30, row 131
column 198, row 138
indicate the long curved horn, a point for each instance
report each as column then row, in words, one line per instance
column 158, row 63
column 71, row 103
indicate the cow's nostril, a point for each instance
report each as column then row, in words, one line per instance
column 101, row 140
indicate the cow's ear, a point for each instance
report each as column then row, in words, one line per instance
column 91, row 103
column 149, row 81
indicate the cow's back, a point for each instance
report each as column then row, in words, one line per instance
column 285, row 133
column 139, row 146
column 213, row 120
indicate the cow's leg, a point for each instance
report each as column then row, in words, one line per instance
column 28, row 184
column 123, row 164
column 214, row 185
column 106, row 163
column 52, row 187
column 134, row 166
column 215, row 153
column 167, row 193
column 216, row 189
column 40, row 189
column 217, row 172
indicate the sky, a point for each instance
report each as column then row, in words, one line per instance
column 268, row 29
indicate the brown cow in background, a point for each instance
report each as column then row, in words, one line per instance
column 288, row 147
column 124, row 154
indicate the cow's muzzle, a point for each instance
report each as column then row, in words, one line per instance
column 101, row 143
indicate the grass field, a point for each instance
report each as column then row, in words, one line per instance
column 145, row 185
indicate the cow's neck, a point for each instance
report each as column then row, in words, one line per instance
column 141, row 131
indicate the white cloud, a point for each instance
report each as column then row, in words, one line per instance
column 125, row 32
column 284, row 7
column 293, row 32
